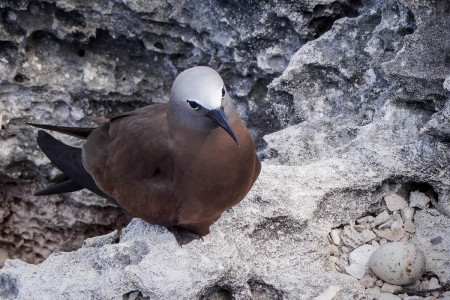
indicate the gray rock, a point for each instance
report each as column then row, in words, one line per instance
column 347, row 103
column 100, row 241
column 407, row 214
column 359, row 260
column 389, row 288
column 367, row 281
column 418, row 199
column 433, row 238
column 388, row 296
column 395, row 202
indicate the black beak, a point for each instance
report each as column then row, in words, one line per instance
column 218, row 117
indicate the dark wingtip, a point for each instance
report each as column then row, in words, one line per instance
column 42, row 135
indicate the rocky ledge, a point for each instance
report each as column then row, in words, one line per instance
column 349, row 105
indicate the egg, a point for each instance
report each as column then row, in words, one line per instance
column 398, row 263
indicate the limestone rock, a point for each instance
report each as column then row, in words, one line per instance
column 347, row 101
column 395, row 202
column 418, row 199
column 432, row 237
column 359, row 260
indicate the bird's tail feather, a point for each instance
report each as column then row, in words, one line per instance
column 67, row 186
column 79, row 132
column 68, row 160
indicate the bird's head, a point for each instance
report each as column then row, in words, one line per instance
column 199, row 100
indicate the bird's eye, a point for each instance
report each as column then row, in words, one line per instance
column 223, row 92
column 193, row 104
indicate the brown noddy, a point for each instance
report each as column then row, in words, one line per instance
column 180, row 164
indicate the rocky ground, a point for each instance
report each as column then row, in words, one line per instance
column 348, row 102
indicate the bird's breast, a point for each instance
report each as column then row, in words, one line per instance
column 213, row 170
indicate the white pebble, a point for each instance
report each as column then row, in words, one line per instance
column 407, row 214
column 409, row 227
column 359, row 259
column 374, row 292
column 387, row 296
column 395, row 202
column 434, row 284
column 398, row 263
column 389, row 288
column 335, row 235
column 381, row 218
column 367, row 281
column 418, row 199
column 386, row 224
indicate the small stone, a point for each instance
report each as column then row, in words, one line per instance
column 375, row 244
column 383, row 241
column 354, row 239
column 413, row 286
column 437, row 240
column 386, row 224
column 329, row 293
column 359, row 228
column 334, row 250
column 397, row 224
column 345, row 249
column 418, row 199
column 387, row 296
column 407, row 214
column 341, row 264
column 133, row 295
column 374, row 292
column 99, row 241
column 381, row 218
column 423, row 285
column 409, row 227
column 335, row 235
column 379, row 283
column 367, row 281
column 395, row 202
column 389, row 288
column 359, row 258
column 434, row 284
column 367, row 235
column 364, row 220
column 391, row 235
column 398, row 263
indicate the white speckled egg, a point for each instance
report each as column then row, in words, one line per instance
column 398, row 263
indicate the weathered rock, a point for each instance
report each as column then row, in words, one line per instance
column 388, row 296
column 352, row 101
column 395, row 202
column 336, row 236
column 359, row 260
column 407, row 214
column 100, row 241
column 432, row 236
column 367, row 281
column 418, row 199
column 389, row 288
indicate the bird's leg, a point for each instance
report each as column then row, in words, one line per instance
column 184, row 236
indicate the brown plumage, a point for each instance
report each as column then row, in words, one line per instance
column 181, row 164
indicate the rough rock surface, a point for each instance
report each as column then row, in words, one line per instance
column 348, row 102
